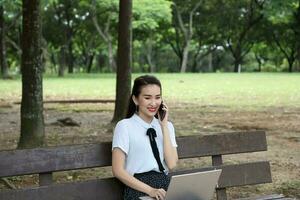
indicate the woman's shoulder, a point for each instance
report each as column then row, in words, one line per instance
column 123, row 122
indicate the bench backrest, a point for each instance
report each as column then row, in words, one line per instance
column 45, row 161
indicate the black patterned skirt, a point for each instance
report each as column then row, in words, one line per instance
column 152, row 178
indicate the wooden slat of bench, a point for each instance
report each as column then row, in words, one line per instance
column 109, row 189
column 266, row 197
column 41, row 160
column 221, row 144
column 246, row 174
column 232, row 175
column 239, row 174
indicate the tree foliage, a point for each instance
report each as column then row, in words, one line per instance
column 168, row 35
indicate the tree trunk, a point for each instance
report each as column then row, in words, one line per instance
column 210, row 67
column 237, row 65
column 62, row 62
column 149, row 45
column 177, row 49
column 150, row 63
column 180, row 56
column 290, row 67
column 32, row 119
column 70, row 53
column 111, row 60
column 187, row 33
column 69, row 35
column 100, row 62
column 124, row 60
column 217, row 60
column 90, row 63
column 3, row 62
column 237, row 58
column 185, row 57
column 106, row 36
column 289, row 55
column 298, row 59
column 259, row 61
column 53, row 62
column 291, row 63
column 195, row 62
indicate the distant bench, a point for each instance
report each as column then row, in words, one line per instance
column 45, row 161
column 76, row 101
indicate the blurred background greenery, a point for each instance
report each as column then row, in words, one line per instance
column 168, row 36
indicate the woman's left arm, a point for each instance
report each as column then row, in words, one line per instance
column 170, row 152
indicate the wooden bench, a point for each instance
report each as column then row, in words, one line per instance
column 45, row 161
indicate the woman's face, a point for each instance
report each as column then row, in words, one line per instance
column 148, row 101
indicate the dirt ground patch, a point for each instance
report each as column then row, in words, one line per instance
column 281, row 124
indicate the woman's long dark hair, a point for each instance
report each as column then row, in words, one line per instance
column 140, row 82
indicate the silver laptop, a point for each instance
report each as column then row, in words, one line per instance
column 193, row 186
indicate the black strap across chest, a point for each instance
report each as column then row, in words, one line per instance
column 152, row 134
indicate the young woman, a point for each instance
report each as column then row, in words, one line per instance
column 144, row 148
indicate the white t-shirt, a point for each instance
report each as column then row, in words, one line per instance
column 130, row 136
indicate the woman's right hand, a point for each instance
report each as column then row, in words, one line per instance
column 159, row 194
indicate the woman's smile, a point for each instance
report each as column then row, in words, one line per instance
column 151, row 109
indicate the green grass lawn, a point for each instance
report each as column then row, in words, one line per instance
column 221, row 89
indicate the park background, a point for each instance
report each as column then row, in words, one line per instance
column 224, row 65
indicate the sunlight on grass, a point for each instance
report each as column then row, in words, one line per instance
column 226, row 89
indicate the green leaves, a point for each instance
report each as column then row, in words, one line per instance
column 149, row 14
column 278, row 11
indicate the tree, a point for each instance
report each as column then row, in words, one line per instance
column 183, row 16
column 297, row 30
column 124, row 60
column 260, row 51
column 86, row 48
column 236, row 22
column 147, row 16
column 187, row 33
column 284, row 17
column 54, row 22
column 207, row 37
column 3, row 62
column 64, row 17
column 105, row 31
column 32, row 119
column 150, row 19
column 9, row 17
column 288, row 46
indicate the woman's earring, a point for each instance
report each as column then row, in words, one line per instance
column 136, row 108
